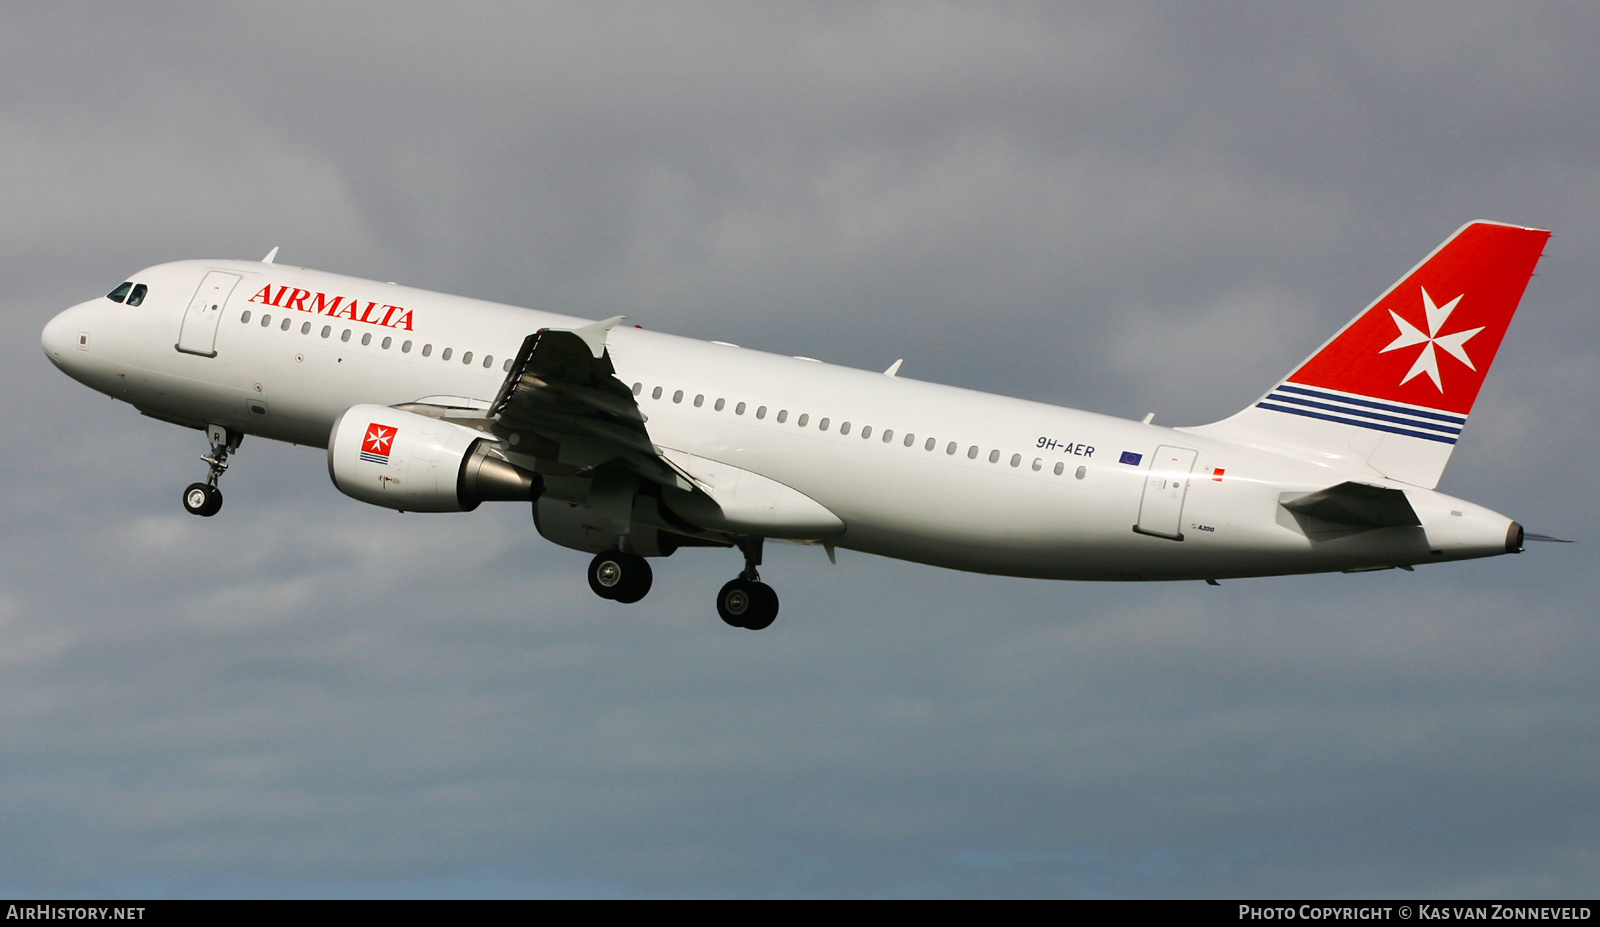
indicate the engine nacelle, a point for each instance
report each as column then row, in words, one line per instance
column 402, row 460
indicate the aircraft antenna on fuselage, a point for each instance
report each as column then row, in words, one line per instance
column 270, row 255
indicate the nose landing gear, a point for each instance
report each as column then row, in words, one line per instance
column 205, row 499
column 202, row 499
column 747, row 602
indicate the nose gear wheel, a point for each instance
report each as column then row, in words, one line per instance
column 205, row 499
column 202, row 499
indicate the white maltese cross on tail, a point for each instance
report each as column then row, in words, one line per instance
column 1427, row 361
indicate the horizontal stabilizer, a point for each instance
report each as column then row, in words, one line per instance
column 1359, row 505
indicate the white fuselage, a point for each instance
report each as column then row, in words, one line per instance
column 1030, row 489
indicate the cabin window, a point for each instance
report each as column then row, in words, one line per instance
column 427, row 349
column 783, row 416
column 699, row 400
column 866, row 431
column 1082, row 472
column 245, row 318
column 405, row 347
column 366, row 339
column 910, row 439
column 720, row 404
column 384, row 344
column 888, row 435
column 445, row 354
column 1038, row 464
column 951, row 450
column 1060, row 467
column 488, row 361
column 345, row 336
column 137, row 296
column 677, row 395
column 801, row 421
column 994, row 456
column 929, row 446
column 327, row 330
column 655, row 393
column 844, row 429
column 972, row 452
column 266, row 319
column 305, row 328
column 761, row 412
column 286, row 323
column 466, row 358
column 739, row 409
column 120, row 293
column 638, row 388
column 822, row 425
column 506, row 366
column 1016, row 459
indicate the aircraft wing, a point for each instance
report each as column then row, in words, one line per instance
column 563, row 392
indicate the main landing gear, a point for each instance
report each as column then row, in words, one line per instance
column 747, row 602
column 205, row 498
column 622, row 576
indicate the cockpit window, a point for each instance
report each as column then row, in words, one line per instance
column 137, row 296
column 120, row 293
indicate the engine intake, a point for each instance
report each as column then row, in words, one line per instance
column 402, row 460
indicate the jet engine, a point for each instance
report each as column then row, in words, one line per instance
column 402, row 460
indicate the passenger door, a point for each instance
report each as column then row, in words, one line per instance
column 1161, row 508
column 199, row 332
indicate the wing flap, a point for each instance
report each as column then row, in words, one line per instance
column 562, row 386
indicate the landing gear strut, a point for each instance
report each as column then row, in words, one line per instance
column 621, row 576
column 747, row 602
column 205, row 498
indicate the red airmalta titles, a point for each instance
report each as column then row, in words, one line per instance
column 292, row 298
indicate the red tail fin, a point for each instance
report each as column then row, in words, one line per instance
column 1391, row 391
column 1429, row 341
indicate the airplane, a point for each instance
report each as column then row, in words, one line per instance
column 631, row 444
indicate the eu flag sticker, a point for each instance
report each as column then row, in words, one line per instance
column 1130, row 458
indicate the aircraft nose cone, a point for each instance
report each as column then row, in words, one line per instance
column 55, row 339
column 60, row 336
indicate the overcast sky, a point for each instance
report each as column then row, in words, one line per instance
column 1123, row 209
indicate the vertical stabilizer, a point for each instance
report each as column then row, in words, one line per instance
column 1392, row 390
